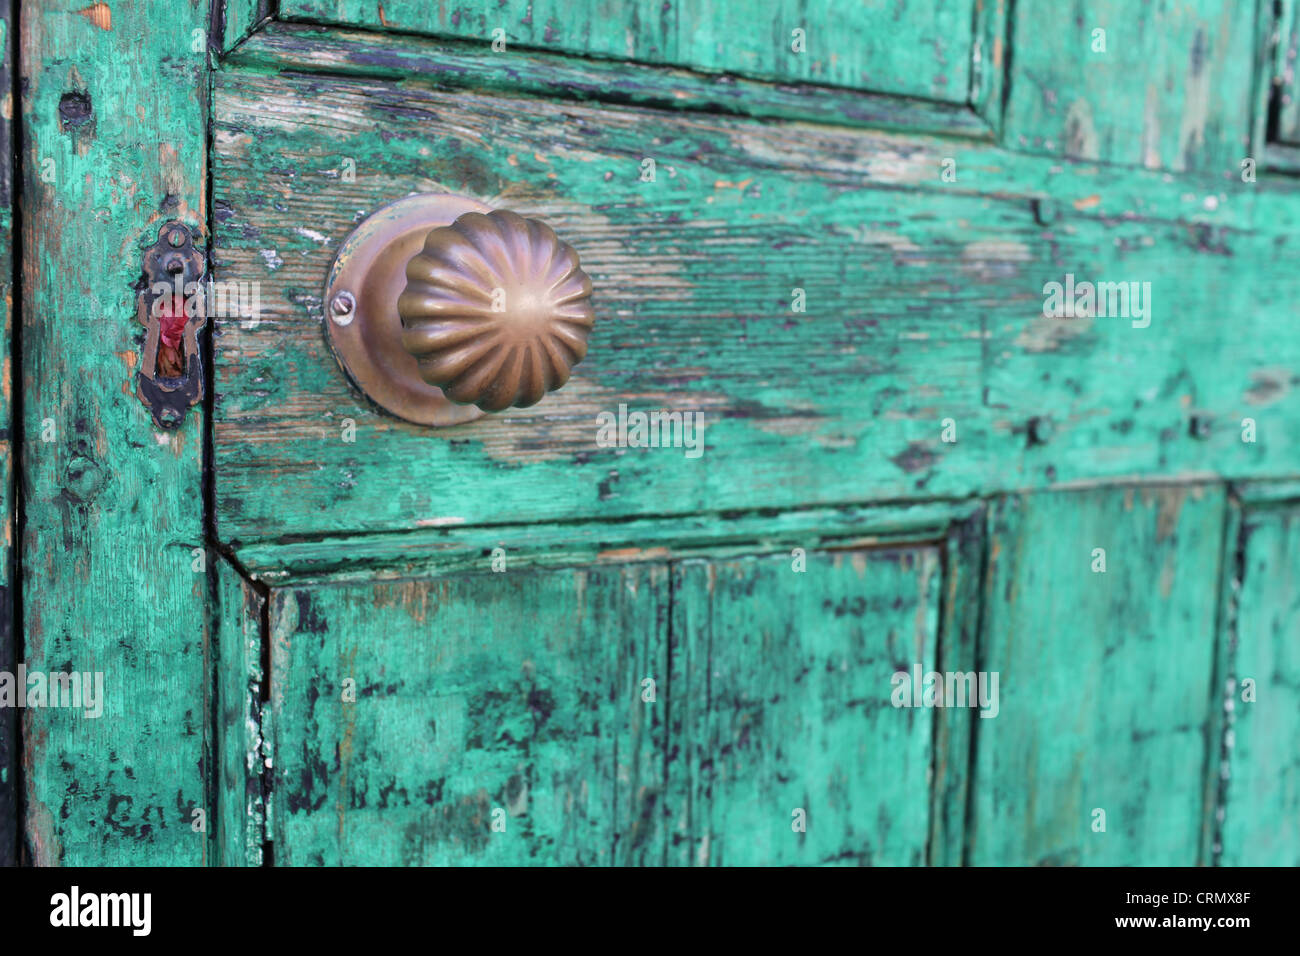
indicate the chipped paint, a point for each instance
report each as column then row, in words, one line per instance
column 99, row 14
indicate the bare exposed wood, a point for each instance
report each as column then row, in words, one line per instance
column 301, row 46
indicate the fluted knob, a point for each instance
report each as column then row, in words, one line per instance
column 496, row 310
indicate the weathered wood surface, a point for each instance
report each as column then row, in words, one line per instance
column 513, row 697
column 1107, row 685
column 989, row 61
column 457, row 550
column 239, row 18
column 1261, row 789
column 922, row 48
column 924, row 304
column 239, row 760
column 1275, row 87
column 457, row 714
column 301, row 46
column 1172, row 89
column 1094, row 190
column 1285, row 72
column 113, row 114
column 9, row 739
column 959, row 624
column 780, row 709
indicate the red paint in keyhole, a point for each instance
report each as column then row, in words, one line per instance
column 171, row 329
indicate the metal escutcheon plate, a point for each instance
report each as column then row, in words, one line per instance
column 360, row 304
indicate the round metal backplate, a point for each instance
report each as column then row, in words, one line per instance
column 360, row 305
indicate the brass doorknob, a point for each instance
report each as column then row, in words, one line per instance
column 496, row 310
column 439, row 308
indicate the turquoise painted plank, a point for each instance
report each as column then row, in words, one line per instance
column 959, row 626
column 1165, row 84
column 10, row 752
column 1094, row 189
column 114, row 135
column 455, row 550
column 340, row 51
column 924, row 306
column 921, row 49
column 1261, row 825
column 240, row 18
column 1284, row 75
column 787, row 749
column 239, row 777
column 1106, row 678
column 498, row 719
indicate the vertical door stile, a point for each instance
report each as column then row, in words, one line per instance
column 114, row 136
column 10, row 750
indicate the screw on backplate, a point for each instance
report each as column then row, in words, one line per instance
column 342, row 308
column 1200, row 427
column 1040, row 430
column 176, row 237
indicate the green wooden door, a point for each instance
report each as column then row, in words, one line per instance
column 978, row 550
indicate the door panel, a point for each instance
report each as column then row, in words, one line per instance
column 1261, row 825
column 781, row 704
column 510, row 699
column 1139, row 82
column 1106, row 678
column 921, row 49
column 532, row 717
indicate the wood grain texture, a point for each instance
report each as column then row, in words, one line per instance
column 239, row 18
column 1106, row 679
column 239, row 828
column 456, row 550
column 1171, row 90
column 921, row 49
column 989, row 61
column 1267, row 492
column 465, row 65
column 780, row 702
column 963, row 556
column 114, row 144
column 1285, row 72
column 1274, row 93
column 1229, row 589
column 518, row 692
column 525, row 691
column 925, row 303
column 1261, row 825
column 9, row 739
column 1094, row 190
